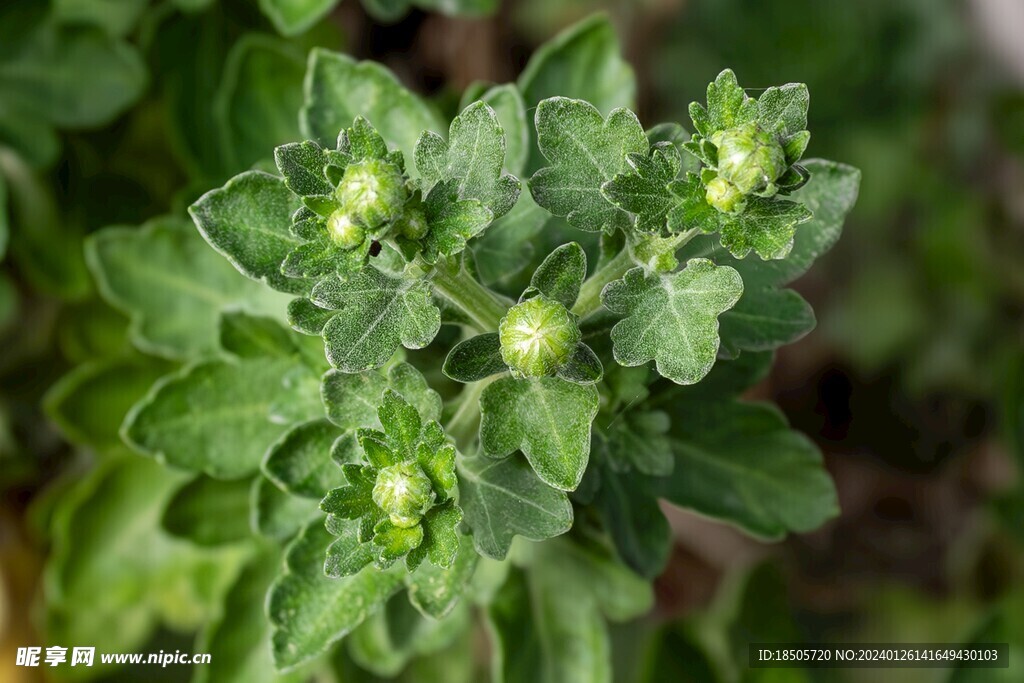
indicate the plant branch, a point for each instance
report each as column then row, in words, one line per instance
column 484, row 307
column 589, row 300
column 464, row 422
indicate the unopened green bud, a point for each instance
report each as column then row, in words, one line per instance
column 724, row 196
column 412, row 223
column 749, row 157
column 404, row 492
column 537, row 337
column 343, row 231
column 372, row 192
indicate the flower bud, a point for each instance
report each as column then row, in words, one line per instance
column 724, row 196
column 343, row 231
column 412, row 223
column 404, row 492
column 372, row 192
column 749, row 157
column 537, row 337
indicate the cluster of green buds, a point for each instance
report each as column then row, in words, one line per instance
column 400, row 500
column 749, row 147
column 750, row 160
column 358, row 198
column 353, row 198
column 369, row 196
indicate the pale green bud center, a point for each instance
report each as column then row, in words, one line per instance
column 404, row 492
column 412, row 223
column 537, row 337
column 749, row 158
column 724, row 196
column 343, row 231
column 372, row 192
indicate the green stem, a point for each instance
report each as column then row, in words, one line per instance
column 481, row 305
column 465, row 421
column 589, row 300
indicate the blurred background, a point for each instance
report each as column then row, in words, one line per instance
column 912, row 384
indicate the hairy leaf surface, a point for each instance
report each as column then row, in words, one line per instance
column 547, row 418
column 672, row 319
column 505, row 499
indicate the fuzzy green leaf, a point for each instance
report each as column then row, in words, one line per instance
column 306, row 317
column 292, row 17
column 768, row 316
column 440, row 537
column 766, row 226
column 257, row 98
column 453, row 221
column 209, row 511
column 238, row 639
column 561, row 274
column 830, row 196
column 505, row 499
column 765, row 318
column 248, row 222
column 727, row 106
column 475, row 359
column 378, row 314
column 338, row 89
column 410, row 383
column 351, row 400
column 508, row 105
column 401, row 423
column 346, row 555
column 783, row 109
column 355, row 499
column 277, row 514
column 672, row 319
column 300, row 461
column 588, row 47
column 740, row 462
column 89, row 403
column 635, row 522
column 302, row 165
column 310, row 611
column 473, row 156
column 172, row 285
column 638, row 440
column 585, row 151
column 375, row 448
column 435, row 590
column 582, row 367
column 547, row 418
column 549, row 621
column 394, row 542
column 250, row 336
column 214, row 417
column 439, row 466
column 644, row 189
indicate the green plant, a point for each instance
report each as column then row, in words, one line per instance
column 377, row 437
